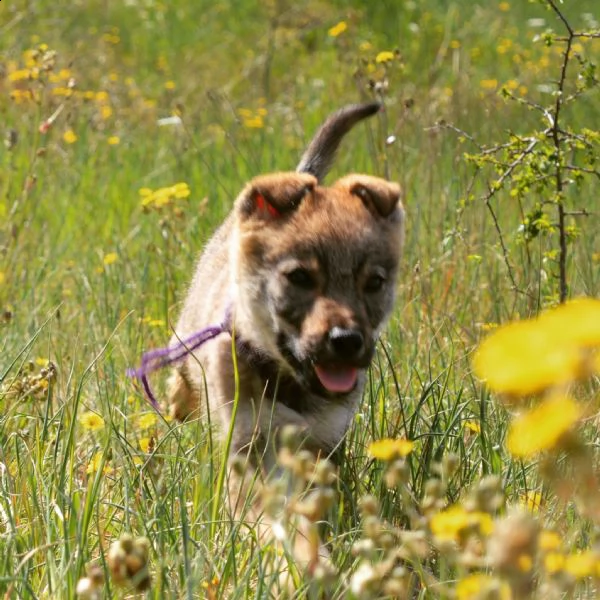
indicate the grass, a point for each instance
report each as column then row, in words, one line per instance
column 88, row 279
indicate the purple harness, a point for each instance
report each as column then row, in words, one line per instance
column 153, row 360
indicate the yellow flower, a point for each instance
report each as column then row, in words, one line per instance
column 554, row 562
column 548, row 540
column 91, row 421
column 488, row 84
column 532, row 500
column 542, row 427
column 389, row 449
column 255, row 122
column 146, row 444
column 106, row 112
column 2, row 277
column 582, row 565
column 181, row 190
column 481, row 585
column 110, row 258
column 69, row 136
column 525, row 357
column 384, row 57
column 472, row 426
column 113, row 140
column 448, row 524
column 504, row 6
column 576, row 321
column 147, row 420
column 169, row 85
column 338, row 29
column 94, row 464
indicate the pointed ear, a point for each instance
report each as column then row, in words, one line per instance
column 272, row 196
column 381, row 197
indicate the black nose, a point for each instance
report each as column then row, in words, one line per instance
column 346, row 343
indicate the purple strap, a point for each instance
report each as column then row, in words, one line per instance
column 153, row 360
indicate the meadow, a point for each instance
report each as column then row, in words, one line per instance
column 128, row 130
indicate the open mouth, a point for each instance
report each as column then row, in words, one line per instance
column 338, row 379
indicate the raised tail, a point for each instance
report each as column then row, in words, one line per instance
column 319, row 155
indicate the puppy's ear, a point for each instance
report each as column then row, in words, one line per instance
column 381, row 197
column 271, row 197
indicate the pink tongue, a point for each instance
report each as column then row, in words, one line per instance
column 337, row 379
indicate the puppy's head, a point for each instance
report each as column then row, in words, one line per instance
column 315, row 273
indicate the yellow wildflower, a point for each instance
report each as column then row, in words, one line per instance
column 577, row 322
column 95, row 463
column 504, row 6
column 448, row 524
column 147, row 420
column 91, row 421
column 106, row 111
column 481, row 585
column 384, row 57
column 542, row 427
column 338, row 29
column 110, row 258
column 146, row 444
column 488, row 84
column 113, row 140
column 255, row 122
column 181, row 190
column 548, row 540
column 532, row 501
column 554, row 562
column 583, row 564
column 2, row 277
column 69, row 136
column 522, row 358
column 389, row 449
column 472, row 426
column 169, row 85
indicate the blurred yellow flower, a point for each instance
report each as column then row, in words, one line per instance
column 146, row 444
column 106, row 111
column 147, row 420
column 488, row 84
column 255, row 122
column 94, row 464
column 110, row 258
column 388, row 449
column 69, row 136
column 504, row 6
column 2, row 277
column 384, row 57
column 583, row 565
column 448, row 524
column 91, row 421
column 554, row 562
column 170, row 85
column 532, row 501
column 481, row 585
column 576, row 321
column 472, row 426
column 338, row 29
column 530, row 356
column 113, row 140
column 549, row 540
column 542, row 427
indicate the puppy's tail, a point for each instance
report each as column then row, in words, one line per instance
column 319, row 155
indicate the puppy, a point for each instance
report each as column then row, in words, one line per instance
column 303, row 278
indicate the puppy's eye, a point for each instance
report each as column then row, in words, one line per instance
column 301, row 278
column 374, row 283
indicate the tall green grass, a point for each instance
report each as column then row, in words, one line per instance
column 65, row 208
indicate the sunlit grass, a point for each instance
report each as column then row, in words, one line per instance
column 128, row 130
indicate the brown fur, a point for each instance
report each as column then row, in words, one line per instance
column 297, row 266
